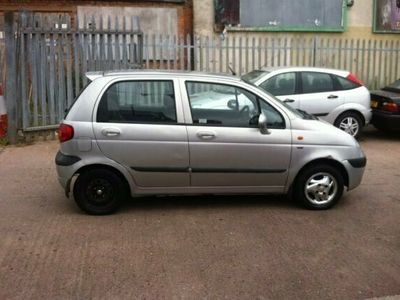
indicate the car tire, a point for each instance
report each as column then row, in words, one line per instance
column 319, row 187
column 99, row 191
column 349, row 122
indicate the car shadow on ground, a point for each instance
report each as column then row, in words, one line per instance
column 370, row 132
column 208, row 201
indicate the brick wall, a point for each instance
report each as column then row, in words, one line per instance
column 184, row 10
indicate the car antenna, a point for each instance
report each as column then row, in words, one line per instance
column 232, row 71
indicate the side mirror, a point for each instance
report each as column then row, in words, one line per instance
column 262, row 124
column 233, row 104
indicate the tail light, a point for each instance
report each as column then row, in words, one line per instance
column 65, row 132
column 353, row 78
column 391, row 107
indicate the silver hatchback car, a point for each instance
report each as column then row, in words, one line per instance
column 146, row 133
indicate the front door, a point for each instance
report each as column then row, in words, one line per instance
column 226, row 147
column 137, row 125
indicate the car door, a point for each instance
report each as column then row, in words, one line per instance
column 227, row 148
column 283, row 86
column 317, row 94
column 138, row 125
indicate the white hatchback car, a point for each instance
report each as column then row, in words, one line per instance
column 335, row 96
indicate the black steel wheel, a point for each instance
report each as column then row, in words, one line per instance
column 99, row 191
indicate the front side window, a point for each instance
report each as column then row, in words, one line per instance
column 313, row 82
column 223, row 105
column 281, row 84
column 138, row 102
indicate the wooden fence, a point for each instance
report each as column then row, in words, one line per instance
column 47, row 56
column 375, row 62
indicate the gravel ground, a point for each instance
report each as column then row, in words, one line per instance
column 198, row 247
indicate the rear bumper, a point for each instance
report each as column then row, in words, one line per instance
column 66, row 165
column 386, row 120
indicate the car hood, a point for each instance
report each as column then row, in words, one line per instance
column 319, row 132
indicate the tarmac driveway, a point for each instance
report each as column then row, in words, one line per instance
column 198, row 247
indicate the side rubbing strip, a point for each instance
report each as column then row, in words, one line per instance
column 161, row 169
column 216, row 170
column 205, row 170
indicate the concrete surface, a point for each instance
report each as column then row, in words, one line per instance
column 248, row 247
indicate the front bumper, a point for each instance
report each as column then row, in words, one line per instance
column 355, row 169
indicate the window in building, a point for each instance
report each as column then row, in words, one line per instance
column 387, row 16
column 281, row 15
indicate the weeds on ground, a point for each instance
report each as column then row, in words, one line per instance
column 3, row 142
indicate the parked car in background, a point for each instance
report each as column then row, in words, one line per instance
column 143, row 133
column 335, row 96
column 385, row 104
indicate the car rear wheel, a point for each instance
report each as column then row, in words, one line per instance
column 99, row 191
column 319, row 187
column 350, row 122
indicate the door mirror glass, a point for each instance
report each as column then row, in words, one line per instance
column 262, row 124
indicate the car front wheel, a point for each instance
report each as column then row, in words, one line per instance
column 319, row 187
column 349, row 122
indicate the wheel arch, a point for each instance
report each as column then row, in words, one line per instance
column 354, row 111
column 328, row 161
column 94, row 166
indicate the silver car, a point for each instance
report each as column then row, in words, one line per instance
column 144, row 133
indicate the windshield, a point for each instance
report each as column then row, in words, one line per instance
column 253, row 76
column 393, row 86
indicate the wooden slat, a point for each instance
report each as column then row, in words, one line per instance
column 52, row 77
column 189, row 52
column 23, row 76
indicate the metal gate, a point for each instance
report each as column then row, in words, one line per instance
column 47, row 56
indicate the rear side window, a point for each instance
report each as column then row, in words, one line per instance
column 345, row 84
column 313, row 82
column 138, row 102
column 281, row 84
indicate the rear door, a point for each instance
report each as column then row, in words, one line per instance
column 138, row 123
column 318, row 95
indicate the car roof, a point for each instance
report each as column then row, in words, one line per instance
column 137, row 72
column 304, row 69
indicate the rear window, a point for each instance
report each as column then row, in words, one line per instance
column 313, row 82
column 345, row 84
column 67, row 110
column 253, row 76
column 149, row 101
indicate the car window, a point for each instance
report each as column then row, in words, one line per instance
column 313, row 82
column 345, row 84
column 138, row 102
column 221, row 105
column 281, row 84
column 274, row 118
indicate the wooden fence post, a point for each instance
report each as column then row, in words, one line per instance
column 11, row 76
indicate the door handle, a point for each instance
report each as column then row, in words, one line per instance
column 288, row 100
column 332, row 97
column 111, row 131
column 206, row 135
